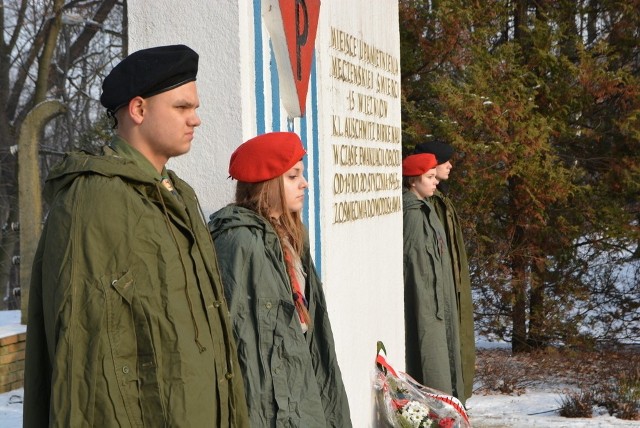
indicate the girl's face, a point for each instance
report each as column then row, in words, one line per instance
column 294, row 187
column 425, row 186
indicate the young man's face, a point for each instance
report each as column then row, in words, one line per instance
column 169, row 121
column 442, row 171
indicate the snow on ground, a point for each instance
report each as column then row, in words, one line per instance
column 10, row 323
column 536, row 408
column 11, row 409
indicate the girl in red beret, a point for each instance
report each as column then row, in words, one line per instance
column 431, row 316
column 280, row 322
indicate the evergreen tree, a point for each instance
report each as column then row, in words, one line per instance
column 541, row 101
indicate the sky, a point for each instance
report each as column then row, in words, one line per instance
column 537, row 407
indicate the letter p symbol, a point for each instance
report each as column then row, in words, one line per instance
column 302, row 32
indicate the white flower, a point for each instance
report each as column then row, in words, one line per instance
column 416, row 414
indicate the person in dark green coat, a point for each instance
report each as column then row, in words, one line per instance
column 431, row 315
column 458, row 253
column 278, row 307
column 127, row 320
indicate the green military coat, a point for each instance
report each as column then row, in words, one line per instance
column 455, row 242
column 291, row 379
column 127, row 321
column 431, row 319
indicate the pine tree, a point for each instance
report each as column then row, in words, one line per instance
column 541, row 101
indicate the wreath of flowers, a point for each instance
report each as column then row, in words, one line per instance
column 408, row 404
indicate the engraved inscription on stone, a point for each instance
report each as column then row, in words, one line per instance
column 366, row 142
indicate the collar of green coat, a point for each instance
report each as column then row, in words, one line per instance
column 130, row 166
column 411, row 201
column 126, row 151
column 233, row 216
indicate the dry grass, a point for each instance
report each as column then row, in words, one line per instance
column 608, row 378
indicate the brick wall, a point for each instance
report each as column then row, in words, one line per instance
column 12, row 361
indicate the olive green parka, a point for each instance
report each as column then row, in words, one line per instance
column 127, row 324
column 458, row 253
column 292, row 379
column 431, row 319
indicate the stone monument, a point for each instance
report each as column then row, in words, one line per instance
column 263, row 67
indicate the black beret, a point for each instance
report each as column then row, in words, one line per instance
column 148, row 72
column 442, row 150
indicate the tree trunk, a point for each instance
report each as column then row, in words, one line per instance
column 30, row 193
column 520, row 18
column 8, row 247
column 519, row 310
column 592, row 20
column 537, row 315
column 518, row 265
column 44, row 64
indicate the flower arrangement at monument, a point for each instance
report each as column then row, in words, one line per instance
column 415, row 414
column 407, row 404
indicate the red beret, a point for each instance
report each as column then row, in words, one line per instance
column 418, row 164
column 266, row 156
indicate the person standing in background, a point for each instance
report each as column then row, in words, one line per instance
column 127, row 324
column 455, row 242
column 280, row 320
column 431, row 316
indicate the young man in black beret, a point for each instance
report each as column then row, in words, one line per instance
column 455, row 242
column 128, row 324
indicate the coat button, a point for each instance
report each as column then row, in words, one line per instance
column 125, row 369
column 228, row 375
column 268, row 305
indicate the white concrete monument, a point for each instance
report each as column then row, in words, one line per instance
column 350, row 102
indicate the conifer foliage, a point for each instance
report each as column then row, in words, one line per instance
column 541, row 101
